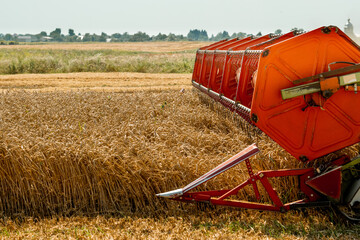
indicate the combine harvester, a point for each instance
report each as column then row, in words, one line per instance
column 301, row 89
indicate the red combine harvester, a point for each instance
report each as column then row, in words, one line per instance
column 301, row 89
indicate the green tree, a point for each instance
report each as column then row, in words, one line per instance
column 238, row 35
column 73, row 38
column 56, row 35
column 221, row 36
column 193, row 35
column 87, row 37
column 8, row 37
column 57, row 31
column 180, row 37
column 40, row 36
column 103, row 37
column 159, row 37
column 295, row 29
column 95, row 38
column 171, row 37
column 278, row 31
column 140, row 37
column 203, row 35
column 116, row 37
column 197, row 35
column 71, row 32
column 125, row 37
column 225, row 34
column 259, row 34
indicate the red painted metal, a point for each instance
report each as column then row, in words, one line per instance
column 315, row 187
column 252, row 72
column 236, row 159
column 328, row 183
column 231, row 162
column 311, row 194
column 307, row 132
column 218, row 66
column 341, row 160
column 252, row 178
column 220, row 197
column 249, row 205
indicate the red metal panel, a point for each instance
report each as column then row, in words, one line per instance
column 217, row 71
column 223, row 44
column 235, row 43
column 229, row 83
column 254, row 42
column 234, row 160
column 273, row 41
column 247, row 76
column 214, row 45
column 219, row 64
column 197, row 67
column 328, row 183
column 307, row 132
column 205, row 69
column 209, row 66
column 233, row 66
column 203, row 60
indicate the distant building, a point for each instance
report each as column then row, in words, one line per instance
column 24, row 38
column 46, row 39
column 349, row 29
column 27, row 38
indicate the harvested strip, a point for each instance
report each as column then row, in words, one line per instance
column 96, row 81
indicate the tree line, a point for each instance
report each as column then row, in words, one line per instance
column 58, row 36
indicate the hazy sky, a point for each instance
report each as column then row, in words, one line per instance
column 154, row 16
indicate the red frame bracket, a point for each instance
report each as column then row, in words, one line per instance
column 220, row 197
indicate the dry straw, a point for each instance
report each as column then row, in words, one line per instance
column 94, row 152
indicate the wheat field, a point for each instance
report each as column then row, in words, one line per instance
column 95, row 152
column 79, row 157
